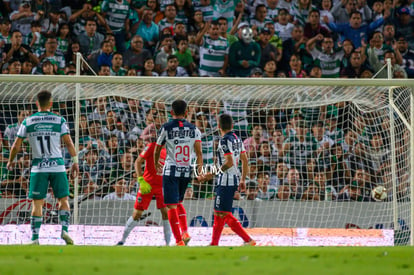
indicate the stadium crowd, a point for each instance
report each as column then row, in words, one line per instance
column 264, row 38
column 302, row 154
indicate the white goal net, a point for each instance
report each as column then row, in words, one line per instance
column 317, row 150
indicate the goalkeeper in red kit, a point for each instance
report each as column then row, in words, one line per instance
column 150, row 185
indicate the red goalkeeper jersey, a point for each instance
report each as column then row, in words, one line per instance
column 151, row 175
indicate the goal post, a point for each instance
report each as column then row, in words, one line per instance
column 317, row 148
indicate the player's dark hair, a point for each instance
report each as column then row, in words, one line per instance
column 44, row 98
column 179, row 107
column 226, row 122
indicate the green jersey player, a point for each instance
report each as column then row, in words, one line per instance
column 44, row 131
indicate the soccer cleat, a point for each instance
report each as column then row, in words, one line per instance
column 65, row 236
column 34, row 242
column 250, row 243
column 186, row 238
column 181, row 243
column 120, row 243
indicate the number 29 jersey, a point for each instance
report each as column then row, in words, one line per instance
column 179, row 137
column 43, row 131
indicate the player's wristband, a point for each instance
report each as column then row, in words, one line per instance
column 75, row 159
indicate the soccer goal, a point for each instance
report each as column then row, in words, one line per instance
column 323, row 154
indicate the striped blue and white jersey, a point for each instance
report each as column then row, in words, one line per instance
column 229, row 144
column 179, row 137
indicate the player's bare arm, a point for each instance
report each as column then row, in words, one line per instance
column 157, row 153
column 245, row 169
column 74, row 170
column 138, row 166
column 13, row 152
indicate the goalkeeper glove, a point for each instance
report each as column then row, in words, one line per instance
column 144, row 186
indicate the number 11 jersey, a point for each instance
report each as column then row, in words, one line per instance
column 44, row 131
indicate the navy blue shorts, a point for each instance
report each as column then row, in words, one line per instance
column 223, row 202
column 174, row 188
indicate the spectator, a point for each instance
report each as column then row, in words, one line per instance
column 99, row 112
column 27, row 67
column 269, row 52
column 105, row 57
column 332, row 130
column 376, row 43
column 298, row 147
column 117, row 61
column 292, row 45
column 342, row 11
column 354, row 30
column 315, row 72
column 50, row 25
column 15, row 67
column 300, row 11
column 197, row 23
column 179, row 31
column 279, row 177
column 348, row 48
column 225, row 9
column 389, row 34
column 260, row 18
column 10, row 134
column 22, row 18
column 326, row 6
column 104, row 70
column 147, row 30
column 207, row 8
column 244, row 54
column 166, row 49
column 295, row 184
column 265, row 190
column 326, row 56
column 214, row 51
column 35, row 39
column 173, row 69
column 339, row 171
column 170, row 18
column 125, row 169
column 355, row 67
column 114, row 126
column 251, row 191
column 52, row 54
column 93, row 168
column 48, row 68
column 313, row 27
column 404, row 24
column 270, row 69
column 185, row 59
column 116, row 15
column 121, row 192
column 134, row 57
column 407, row 54
column 5, row 35
column 148, row 69
column 378, row 66
column 283, row 27
column 90, row 40
column 78, row 19
column 296, row 68
column 63, row 37
column 252, row 143
column 312, row 193
column 15, row 49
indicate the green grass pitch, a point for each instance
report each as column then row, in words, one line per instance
column 205, row 260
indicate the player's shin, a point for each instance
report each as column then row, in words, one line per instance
column 182, row 217
column 130, row 224
column 217, row 229
column 236, row 227
column 35, row 223
column 64, row 218
column 167, row 231
column 174, row 223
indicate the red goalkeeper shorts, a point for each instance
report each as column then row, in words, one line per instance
column 143, row 201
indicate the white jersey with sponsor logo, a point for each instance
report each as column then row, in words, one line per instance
column 178, row 136
column 43, row 131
